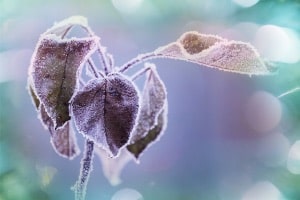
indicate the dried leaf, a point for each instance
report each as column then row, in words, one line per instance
column 112, row 167
column 153, row 101
column 62, row 27
column 105, row 111
column 53, row 72
column 213, row 51
column 63, row 139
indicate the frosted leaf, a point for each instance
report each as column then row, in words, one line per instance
column 213, row 51
column 153, row 100
column 105, row 111
column 112, row 167
column 63, row 26
column 54, row 70
column 63, row 139
column 152, row 135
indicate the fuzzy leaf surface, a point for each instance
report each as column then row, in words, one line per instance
column 216, row 52
column 153, row 101
column 105, row 111
column 54, row 71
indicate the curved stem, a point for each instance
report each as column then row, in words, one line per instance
column 140, row 73
column 140, row 58
column 86, row 168
column 101, row 51
column 94, row 69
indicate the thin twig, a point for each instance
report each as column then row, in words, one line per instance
column 137, row 60
column 140, row 73
column 94, row 69
column 289, row 92
column 65, row 33
column 86, row 168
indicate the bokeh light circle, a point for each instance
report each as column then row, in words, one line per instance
column 127, row 194
column 263, row 111
column 293, row 162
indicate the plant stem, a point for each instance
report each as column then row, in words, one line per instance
column 140, row 58
column 86, row 168
column 140, row 73
column 101, row 51
column 94, row 69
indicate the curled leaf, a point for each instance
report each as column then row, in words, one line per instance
column 105, row 111
column 153, row 102
column 62, row 27
column 63, row 139
column 216, row 52
column 53, row 72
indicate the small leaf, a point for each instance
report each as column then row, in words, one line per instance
column 53, row 72
column 216, row 52
column 153, row 101
column 105, row 111
column 62, row 27
column 112, row 167
column 139, row 145
column 63, row 139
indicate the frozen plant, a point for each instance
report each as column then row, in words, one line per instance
column 116, row 120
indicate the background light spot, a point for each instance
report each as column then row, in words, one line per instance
column 262, row 191
column 293, row 162
column 127, row 194
column 263, row 111
column 246, row 3
column 277, row 44
column 127, row 6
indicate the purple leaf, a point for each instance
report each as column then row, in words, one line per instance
column 153, row 101
column 105, row 111
column 139, row 145
column 216, row 52
column 63, row 139
column 54, row 71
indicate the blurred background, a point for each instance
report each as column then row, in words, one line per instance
column 229, row 136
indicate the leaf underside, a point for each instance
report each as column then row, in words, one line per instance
column 53, row 73
column 105, row 111
column 216, row 52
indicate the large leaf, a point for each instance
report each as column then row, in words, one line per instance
column 153, row 101
column 54, row 72
column 216, row 52
column 105, row 111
